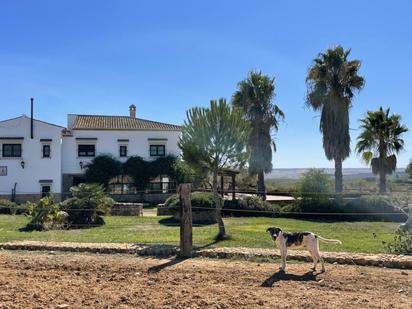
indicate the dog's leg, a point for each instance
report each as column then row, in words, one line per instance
column 322, row 262
column 314, row 258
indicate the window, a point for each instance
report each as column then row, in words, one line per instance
column 12, row 150
column 86, row 150
column 123, row 151
column 157, row 150
column 45, row 190
column 46, row 151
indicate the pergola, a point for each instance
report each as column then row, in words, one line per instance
column 228, row 172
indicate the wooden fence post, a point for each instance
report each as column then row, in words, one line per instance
column 186, row 240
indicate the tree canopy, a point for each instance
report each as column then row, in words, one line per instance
column 214, row 138
column 331, row 84
column 379, row 142
column 254, row 98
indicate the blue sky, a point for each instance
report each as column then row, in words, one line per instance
column 98, row 57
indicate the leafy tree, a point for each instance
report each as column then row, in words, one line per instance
column 408, row 170
column 380, row 141
column 254, row 98
column 331, row 82
column 137, row 168
column 162, row 166
column 215, row 138
column 102, row 169
column 87, row 206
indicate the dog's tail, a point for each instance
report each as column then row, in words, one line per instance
column 330, row 241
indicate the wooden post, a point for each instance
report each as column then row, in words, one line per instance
column 186, row 240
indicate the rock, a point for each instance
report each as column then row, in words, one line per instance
column 404, row 273
column 62, row 306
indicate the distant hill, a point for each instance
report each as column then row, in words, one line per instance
column 348, row 173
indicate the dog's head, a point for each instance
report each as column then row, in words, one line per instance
column 274, row 232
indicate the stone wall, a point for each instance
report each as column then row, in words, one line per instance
column 127, row 209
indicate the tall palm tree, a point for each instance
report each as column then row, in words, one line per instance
column 331, row 82
column 380, row 141
column 254, row 98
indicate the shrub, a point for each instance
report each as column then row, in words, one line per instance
column 317, row 208
column 200, row 201
column 401, row 244
column 45, row 215
column 251, row 206
column 8, row 207
column 315, row 183
column 87, row 206
column 362, row 208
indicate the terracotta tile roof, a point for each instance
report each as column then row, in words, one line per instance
column 96, row 122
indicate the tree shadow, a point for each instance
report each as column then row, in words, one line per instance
column 282, row 276
column 173, row 222
column 158, row 268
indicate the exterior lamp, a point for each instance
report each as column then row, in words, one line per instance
column 22, row 163
column 81, row 164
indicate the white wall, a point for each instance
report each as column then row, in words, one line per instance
column 107, row 143
column 36, row 168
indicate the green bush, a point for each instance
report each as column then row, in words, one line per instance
column 200, row 200
column 251, row 206
column 87, row 206
column 315, row 183
column 401, row 244
column 8, row 207
column 45, row 215
column 373, row 208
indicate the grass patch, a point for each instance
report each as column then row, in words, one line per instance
column 243, row 232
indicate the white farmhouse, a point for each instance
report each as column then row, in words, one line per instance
column 120, row 136
column 30, row 160
column 38, row 158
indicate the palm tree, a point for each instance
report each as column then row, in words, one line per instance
column 254, row 98
column 331, row 83
column 380, row 141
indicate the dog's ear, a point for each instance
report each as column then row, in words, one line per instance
column 269, row 229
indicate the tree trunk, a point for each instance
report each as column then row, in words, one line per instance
column 382, row 181
column 218, row 202
column 338, row 176
column 261, row 186
column 338, row 181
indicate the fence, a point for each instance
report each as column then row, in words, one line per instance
column 362, row 230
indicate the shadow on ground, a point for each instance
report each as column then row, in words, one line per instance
column 282, row 276
column 158, row 268
column 173, row 222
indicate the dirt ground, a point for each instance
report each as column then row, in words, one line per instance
column 55, row 280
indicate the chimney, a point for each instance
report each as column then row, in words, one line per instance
column 132, row 110
column 31, row 118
